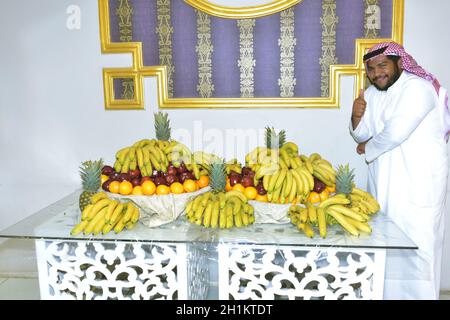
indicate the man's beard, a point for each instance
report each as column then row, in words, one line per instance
column 391, row 81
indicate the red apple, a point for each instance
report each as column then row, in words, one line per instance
column 234, row 179
column 134, row 173
column 107, row 170
column 136, row 181
column 247, row 181
column 319, row 186
column 260, row 189
column 105, row 185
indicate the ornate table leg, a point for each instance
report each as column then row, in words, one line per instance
column 117, row 270
column 279, row 272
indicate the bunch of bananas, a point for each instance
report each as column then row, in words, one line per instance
column 352, row 217
column 155, row 154
column 233, row 165
column 104, row 214
column 320, row 168
column 222, row 209
column 203, row 161
column 284, row 175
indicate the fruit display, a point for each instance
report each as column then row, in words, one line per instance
column 351, row 208
column 103, row 214
column 218, row 208
column 90, row 173
column 155, row 166
column 279, row 169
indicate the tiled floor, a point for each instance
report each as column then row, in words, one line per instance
column 28, row 289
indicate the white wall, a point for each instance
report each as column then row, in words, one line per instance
column 52, row 115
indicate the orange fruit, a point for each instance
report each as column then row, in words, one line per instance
column 103, row 178
column 238, row 187
column 203, row 181
column 148, row 187
column 250, row 193
column 114, row 187
column 125, row 188
column 314, row 197
column 331, row 189
column 261, row 198
column 162, row 189
column 137, row 191
column 324, row 195
column 189, row 185
column 176, row 188
column 228, row 186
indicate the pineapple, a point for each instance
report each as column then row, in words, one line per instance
column 162, row 126
column 90, row 173
column 344, row 179
column 274, row 140
column 217, row 177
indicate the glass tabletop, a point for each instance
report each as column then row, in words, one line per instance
column 57, row 220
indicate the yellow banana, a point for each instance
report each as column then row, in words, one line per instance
column 314, row 156
column 307, row 163
column 301, row 187
column 223, row 218
column 293, row 191
column 337, row 199
column 207, row 214
column 289, row 180
column 281, row 178
column 116, row 213
column 322, row 222
column 343, row 222
column 98, row 196
column 112, row 205
column 97, row 207
column 215, row 214
column 92, row 223
column 140, row 157
column 236, row 193
column 306, row 228
column 86, row 211
column 99, row 226
column 79, row 227
column 273, row 181
column 361, row 226
column 120, row 225
column 312, row 212
column 346, row 212
column 236, row 202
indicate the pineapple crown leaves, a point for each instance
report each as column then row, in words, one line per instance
column 218, row 176
column 274, row 140
column 90, row 173
column 344, row 179
column 162, row 126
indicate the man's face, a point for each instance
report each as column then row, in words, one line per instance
column 383, row 72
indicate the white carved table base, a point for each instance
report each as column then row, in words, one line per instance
column 121, row 270
column 279, row 272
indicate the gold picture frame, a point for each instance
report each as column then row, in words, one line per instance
column 138, row 71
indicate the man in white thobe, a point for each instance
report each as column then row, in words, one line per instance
column 401, row 124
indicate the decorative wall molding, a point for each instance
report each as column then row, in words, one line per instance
column 164, row 81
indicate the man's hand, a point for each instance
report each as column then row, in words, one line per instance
column 361, row 148
column 359, row 108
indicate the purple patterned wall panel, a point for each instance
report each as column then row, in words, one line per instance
column 114, row 21
column 184, row 40
column 144, row 26
column 308, row 32
column 386, row 18
column 267, row 56
column 225, row 39
column 349, row 28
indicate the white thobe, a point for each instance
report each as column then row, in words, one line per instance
column 407, row 173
